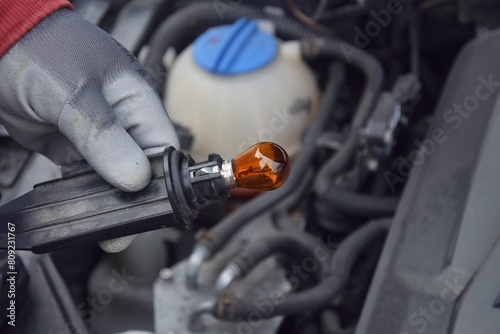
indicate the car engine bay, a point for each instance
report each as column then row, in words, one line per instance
column 388, row 221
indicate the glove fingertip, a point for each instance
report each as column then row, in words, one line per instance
column 133, row 176
column 116, row 245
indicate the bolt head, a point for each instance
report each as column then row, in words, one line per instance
column 166, row 274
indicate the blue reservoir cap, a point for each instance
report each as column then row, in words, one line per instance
column 234, row 49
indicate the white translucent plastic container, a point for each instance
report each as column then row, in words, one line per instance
column 228, row 113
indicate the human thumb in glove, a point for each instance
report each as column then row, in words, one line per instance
column 71, row 92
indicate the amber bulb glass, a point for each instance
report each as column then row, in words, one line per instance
column 264, row 166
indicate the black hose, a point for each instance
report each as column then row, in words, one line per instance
column 370, row 66
column 354, row 245
column 342, row 262
column 333, row 221
column 414, row 36
column 182, row 27
column 220, row 234
column 359, row 205
column 294, row 245
column 331, row 324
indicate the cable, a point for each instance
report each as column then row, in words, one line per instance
column 414, row 36
column 304, row 18
column 294, row 245
column 230, row 308
column 426, row 5
column 360, row 205
column 370, row 66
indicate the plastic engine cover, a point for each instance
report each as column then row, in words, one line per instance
column 447, row 222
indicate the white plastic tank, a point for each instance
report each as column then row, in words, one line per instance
column 237, row 85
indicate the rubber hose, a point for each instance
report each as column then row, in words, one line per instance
column 295, row 245
column 341, row 265
column 359, row 205
column 327, row 48
column 182, row 27
column 331, row 324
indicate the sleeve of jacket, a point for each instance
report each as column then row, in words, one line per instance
column 17, row 17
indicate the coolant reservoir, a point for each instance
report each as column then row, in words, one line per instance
column 237, row 85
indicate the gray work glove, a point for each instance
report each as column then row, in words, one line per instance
column 71, row 92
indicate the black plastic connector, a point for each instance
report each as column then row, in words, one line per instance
column 85, row 208
column 191, row 186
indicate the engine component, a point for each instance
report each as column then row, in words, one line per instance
column 136, row 21
column 181, row 310
column 85, row 208
column 13, row 157
column 180, row 29
column 232, row 78
column 292, row 245
column 230, row 307
column 379, row 131
column 42, row 299
column 447, row 220
column 300, row 259
column 92, row 10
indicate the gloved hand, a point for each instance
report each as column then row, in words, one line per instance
column 71, row 92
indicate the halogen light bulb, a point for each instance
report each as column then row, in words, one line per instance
column 264, row 166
